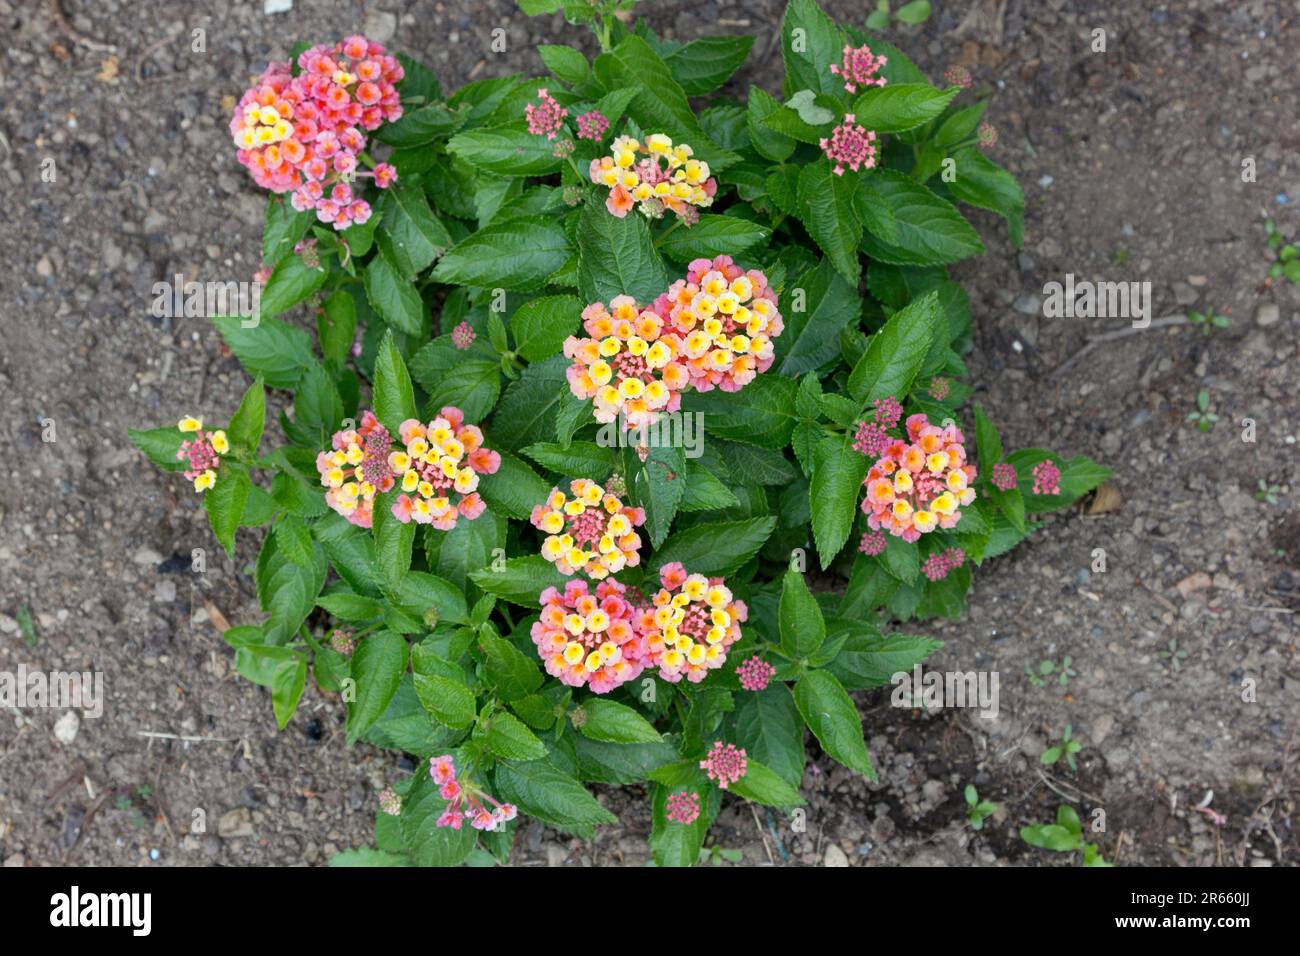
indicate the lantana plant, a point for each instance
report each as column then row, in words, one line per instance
column 630, row 419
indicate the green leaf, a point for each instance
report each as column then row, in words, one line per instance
column 703, row 65
column 518, row 254
column 896, row 353
column 336, row 325
column 284, row 229
column 506, row 151
column 568, row 65
column 540, row 326
column 761, row 784
column 582, row 459
column 317, row 405
column 766, row 141
column 377, row 666
column 704, row 490
column 394, row 396
column 514, row 674
column 450, row 702
column 810, row 42
column 286, row 690
column 897, row 108
column 393, row 542
column 410, row 235
column 987, row 441
column 224, row 503
column 617, row 723
column 836, row 484
column 293, row 538
column 869, row 660
column 802, row 627
column 515, row 488
column 467, row 547
column 528, row 411
column 981, row 182
column 760, row 414
column 929, row 230
column 285, row 590
column 831, row 715
column 160, row 446
column 617, row 257
column 826, row 209
column 901, row 559
column 521, row 581
column 245, row 428
column 547, row 794
column 270, row 348
column 420, row 126
column 351, row 551
column 712, row 236
column 506, row 737
column 657, row 486
column 715, row 549
column 393, row 297
column 811, row 336
column 660, row 104
column 768, row 726
column 291, row 282
column 421, row 591
column 467, row 380
column 619, row 764
column 914, row 13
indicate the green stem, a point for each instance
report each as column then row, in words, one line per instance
column 668, row 232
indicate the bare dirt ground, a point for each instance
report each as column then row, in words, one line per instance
column 1131, row 162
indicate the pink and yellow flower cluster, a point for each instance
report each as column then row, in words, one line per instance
column 726, row 318
column 627, row 365
column 592, row 531
column 712, row 329
column 919, row 484
column 465, row 800
column 305, row 134
column 689, row 624
column 202, row 452
column 438, row 468
column 586, row 638
column 654, row 175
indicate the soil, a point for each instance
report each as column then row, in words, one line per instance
column 1131, row 161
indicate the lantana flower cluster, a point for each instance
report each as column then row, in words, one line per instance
column 438, row 469
column 628, row 365
column 940, row 564
column 919, row 484
column 712, row 329
column 689, row 624
column 305, row 134
column 465, row 800
column 861, row 67
column 654, row 175
column 202, row 452
column 586, row 638
column 726, row 318
column 590, row 531
column 850, row 145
